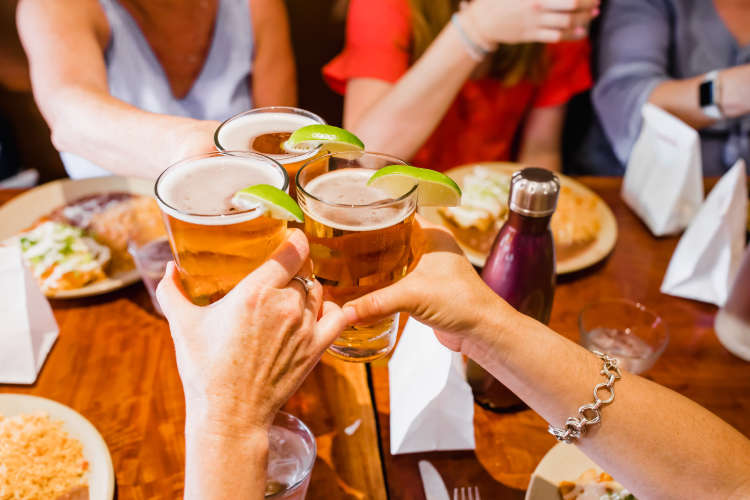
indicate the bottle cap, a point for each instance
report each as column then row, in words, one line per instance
column 533, row 192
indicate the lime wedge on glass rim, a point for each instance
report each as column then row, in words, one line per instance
column 434, row 189
column 335, row 139
column 275, row 202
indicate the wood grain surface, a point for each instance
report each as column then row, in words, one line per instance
column 509, row 446
column 114, row 363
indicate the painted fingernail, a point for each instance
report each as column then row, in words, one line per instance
column 595, row 12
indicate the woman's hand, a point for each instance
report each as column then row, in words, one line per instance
column 520, row 21
column 242, row 357
column 442, row 291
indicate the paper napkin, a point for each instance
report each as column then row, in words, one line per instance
column 708, row 255
column 663, row 182
column 432, row 407
column 28, row 327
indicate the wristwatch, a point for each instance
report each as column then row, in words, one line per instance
column 709, row 95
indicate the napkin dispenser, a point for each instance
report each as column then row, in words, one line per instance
column 28, row 328
column 432, row 407
column 663, row 182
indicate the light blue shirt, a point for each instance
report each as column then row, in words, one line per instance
column 645, row 42
column 135, row 75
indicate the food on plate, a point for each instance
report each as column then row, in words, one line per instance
column 136, row 219
column 593, row 485
column 86, row 240
column 40, row 461
column 62, row 257
column 575, row 223
column 484, row 208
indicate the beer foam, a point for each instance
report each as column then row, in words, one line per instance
column 348, row 186
column 236, row 134
column 200, row 191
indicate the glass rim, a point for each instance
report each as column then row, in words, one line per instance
column 374, row 204
column 314, row 452
column 270, row 109
column 657, row 320
column 214, row 154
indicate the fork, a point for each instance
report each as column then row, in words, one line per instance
column 466, row 493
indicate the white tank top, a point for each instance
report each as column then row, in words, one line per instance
column 134, row 74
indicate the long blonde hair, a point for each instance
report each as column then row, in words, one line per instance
column 510, row 63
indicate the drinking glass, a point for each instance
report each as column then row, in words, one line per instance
column 215, row 244
column 151, row 260
column 263, row 130
column 625, row 330
column 291, row 456
column 360, row 240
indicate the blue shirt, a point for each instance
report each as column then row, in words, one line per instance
column 645, row 42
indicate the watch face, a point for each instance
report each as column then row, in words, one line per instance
column 706, row 94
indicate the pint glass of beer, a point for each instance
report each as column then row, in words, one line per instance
column 215, row 244
column 360, row 240
column 264, row 130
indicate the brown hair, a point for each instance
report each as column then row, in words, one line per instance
column 510, row 63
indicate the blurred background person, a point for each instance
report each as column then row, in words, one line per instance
column 443, row 85
column 662, row 52
column 131, row 86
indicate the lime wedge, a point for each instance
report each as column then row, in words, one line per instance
column 274, row 201
column 334, row 139
column 435, row 189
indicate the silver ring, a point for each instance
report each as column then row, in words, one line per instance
column 306, row 282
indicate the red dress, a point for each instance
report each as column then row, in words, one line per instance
column 483, row 120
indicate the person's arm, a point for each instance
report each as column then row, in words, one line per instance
column 274, row 76
column 680, row 97
column 240, row 359
column 541, row 142
column 399, row 117
column 65, row 45
column 656, row 442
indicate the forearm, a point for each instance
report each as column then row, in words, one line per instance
column 402, row 120
column 680, row 97
column 657, row 442
column 549, row 159
column 222, row 465
column 119, row 137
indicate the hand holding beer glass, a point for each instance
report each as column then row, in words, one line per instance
column 360, row 240
column 215, row 243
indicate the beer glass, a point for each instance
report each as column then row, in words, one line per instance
column 264, row 130
column 360, row 240
column 215, row 244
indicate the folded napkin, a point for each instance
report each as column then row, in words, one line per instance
column 432, row 407
column 709, row 253
column 732, row 323
column 28, row 327
column 663, row 182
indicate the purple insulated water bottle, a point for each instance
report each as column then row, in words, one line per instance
column 520, row 268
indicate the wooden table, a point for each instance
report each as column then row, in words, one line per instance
column 114, row 363
column 509, row 446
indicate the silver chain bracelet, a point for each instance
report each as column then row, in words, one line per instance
column 575, row 427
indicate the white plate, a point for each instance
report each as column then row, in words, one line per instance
column 564, row 462
column 593, row 253
column 23, row 210
column 101, row 475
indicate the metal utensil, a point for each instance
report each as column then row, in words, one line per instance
column 466, row 493
column 434, row 487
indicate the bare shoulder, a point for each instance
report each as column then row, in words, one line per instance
column 55, row 18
